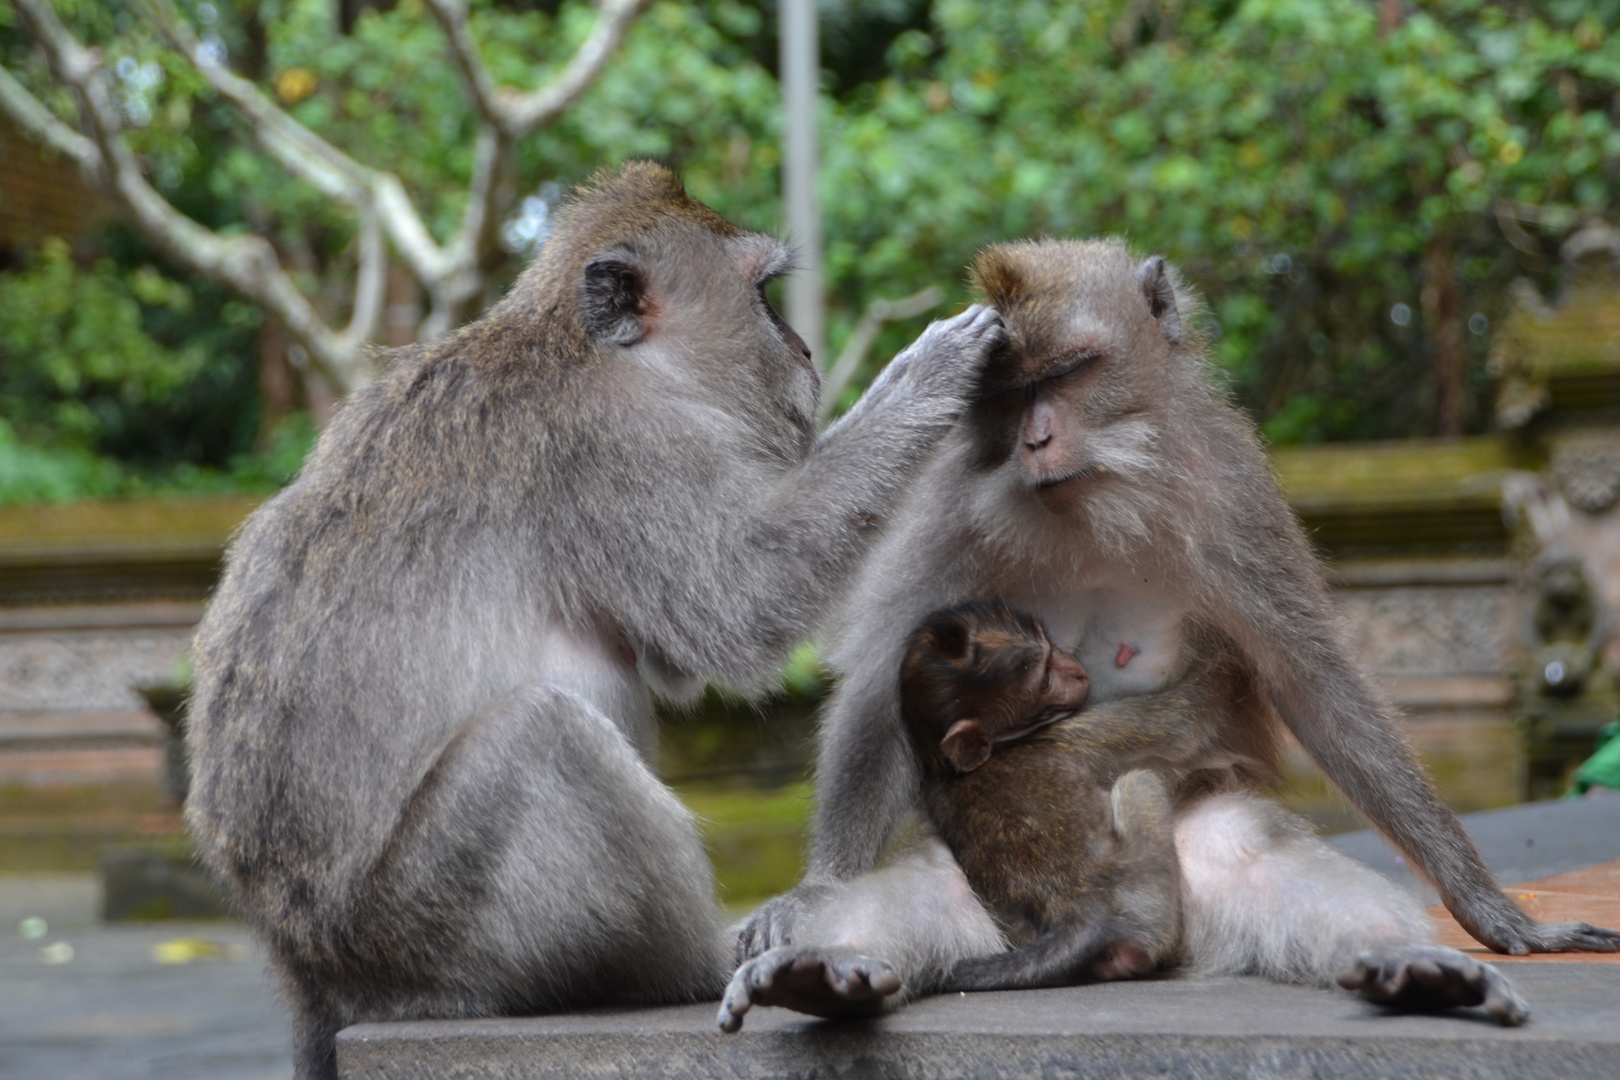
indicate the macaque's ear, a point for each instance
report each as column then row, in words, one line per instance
column 966, row 745
column 613, row 299
column 1161, row 297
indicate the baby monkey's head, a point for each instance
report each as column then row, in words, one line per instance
column 980, row 674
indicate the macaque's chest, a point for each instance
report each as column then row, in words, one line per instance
column 600, row 666
column 1130, row 643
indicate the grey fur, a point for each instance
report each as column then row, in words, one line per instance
column 1176, row 516
column 423, row 683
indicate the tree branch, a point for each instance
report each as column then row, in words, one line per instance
column 451, row 273
column 307, row 155
column 514, row 112
column 40, row 125
column 247, row 263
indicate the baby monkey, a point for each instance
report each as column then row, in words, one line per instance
column 1061, row 819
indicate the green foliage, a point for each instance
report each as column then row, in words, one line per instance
column 1296, row 161
column 1305, row 167
column 117, row 380
column 75, row 350
column 29, row 474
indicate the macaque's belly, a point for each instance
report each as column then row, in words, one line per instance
column 1128, row 644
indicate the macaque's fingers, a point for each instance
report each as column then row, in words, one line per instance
column 1505, row 927
column 771, row 925
column 736, row 1001
column 947, row 356
column 1502, row 1002
column 1427, row 978
column 857, row 977
column 751, row 985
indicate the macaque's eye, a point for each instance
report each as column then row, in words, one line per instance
column 1071, row 366
column 764, row 288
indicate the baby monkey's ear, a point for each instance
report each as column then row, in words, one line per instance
column 966, row 745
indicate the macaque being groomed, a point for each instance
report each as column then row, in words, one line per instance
column 1103, row 484
column 1051, row 812
column 421, row 712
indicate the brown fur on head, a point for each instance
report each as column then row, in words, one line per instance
column 980, row 674
column 1040, row 286
column 1101, row 370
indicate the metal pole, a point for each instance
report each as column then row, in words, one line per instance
column 801, row 77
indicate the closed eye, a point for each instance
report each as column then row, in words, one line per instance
column 1072, row 364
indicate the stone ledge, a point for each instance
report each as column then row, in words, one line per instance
column 1192, row 1028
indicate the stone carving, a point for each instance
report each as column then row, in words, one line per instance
column 1586, row 467
column 85, row 671
column 1564, row 628
column 1432, row 629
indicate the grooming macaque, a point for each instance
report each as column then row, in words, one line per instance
column 1058, row 817
column 422, row 689
column 1101, row 484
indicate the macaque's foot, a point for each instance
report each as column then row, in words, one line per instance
column 830, row 982
column 1558, row 937
column 771, row 925
column 1426, row 978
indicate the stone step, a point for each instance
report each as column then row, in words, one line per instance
column 1173, row 1028
column 101, row 730
column 42, row 749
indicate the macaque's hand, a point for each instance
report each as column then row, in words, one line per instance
column 1522, row 935
column 937, row 374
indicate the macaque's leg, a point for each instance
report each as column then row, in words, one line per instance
column 872, row 943
column 1263, row 895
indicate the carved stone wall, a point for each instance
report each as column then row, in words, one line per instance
column 1433, row 631
column 85, row 671
column 1442, row 638
column 69, row 712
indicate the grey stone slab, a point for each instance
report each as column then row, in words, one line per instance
column 1519, row 843
column 113, row 1012
column 1172, row 1028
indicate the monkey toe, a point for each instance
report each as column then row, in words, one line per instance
column 1428, row 978
column 829, row 983
column 1573, row 937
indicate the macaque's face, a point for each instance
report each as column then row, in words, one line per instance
column 1074, row 397
column 1085, row 420
column 984, row 675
